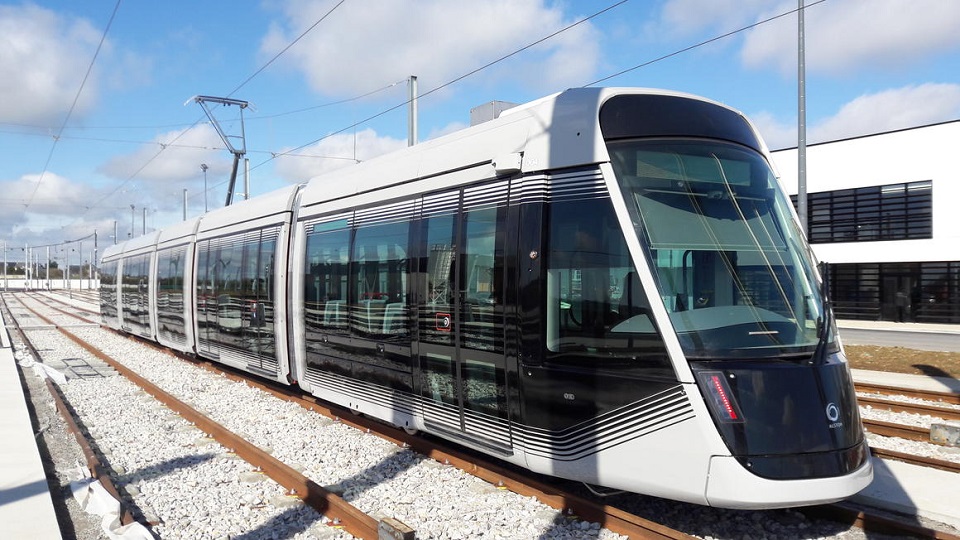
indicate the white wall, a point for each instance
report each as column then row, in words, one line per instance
column 41, row 284
column 924, row 153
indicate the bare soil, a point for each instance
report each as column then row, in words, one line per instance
column 901, row 360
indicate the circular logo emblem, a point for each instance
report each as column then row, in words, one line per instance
column 833, row 412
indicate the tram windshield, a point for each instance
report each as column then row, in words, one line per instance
column 731, row 266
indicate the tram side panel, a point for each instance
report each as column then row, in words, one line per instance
column 239, row 287
column 236, row 288
column 173, row 297
column 135, row 285
column 353, row 294
column 109, row 295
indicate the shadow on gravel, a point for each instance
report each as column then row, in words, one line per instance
column 290, row 522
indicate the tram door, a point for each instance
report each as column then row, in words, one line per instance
column 461, row 346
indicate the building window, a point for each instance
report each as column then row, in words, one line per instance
column 927, row 292
column 890, row 212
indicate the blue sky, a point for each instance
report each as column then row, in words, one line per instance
column 93, row 119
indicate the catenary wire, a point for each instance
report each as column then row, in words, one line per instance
column 163, row 147
column 446, row 84
column 702, row 43
column 73, row 105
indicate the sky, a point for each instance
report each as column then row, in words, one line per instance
column 100, row 131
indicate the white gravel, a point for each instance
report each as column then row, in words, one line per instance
column 196, row 489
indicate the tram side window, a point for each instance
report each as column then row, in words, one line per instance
column 481, row 285
column 206, row 301
column 379, row 305
column 325, row 283
column 108, row 294
column 170, row 291
column 229, row 289
column 135, row 285
column 595, row 302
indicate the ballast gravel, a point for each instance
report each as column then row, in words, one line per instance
column 190, row 487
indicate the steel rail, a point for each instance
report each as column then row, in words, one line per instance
column 928, row 395
column 922, row 461
column 915, row 408
column 325, row 502
column 96, row 467
column 874, row 523
column 44, row 300
column 571, row 505
column 612, row 518
column 888, row 429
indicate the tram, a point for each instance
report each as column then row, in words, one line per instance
column 607, row 285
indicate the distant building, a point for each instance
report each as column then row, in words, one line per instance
column 884, row 211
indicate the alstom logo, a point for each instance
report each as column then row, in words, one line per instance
column 833, row 415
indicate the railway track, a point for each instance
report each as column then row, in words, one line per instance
column 935, row 411
column 338, row 511
column 928, row 395
column 613, row 518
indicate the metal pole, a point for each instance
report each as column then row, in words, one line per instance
column 801, row 126
column 184, row 204
column 48, row 268
column 246, row 179
column 80, row 263
column 95, row 252
column 115, row 240
column 133, row 219
column 144, row 228
column 412, row 123
column 203, row 167
column 5, row 265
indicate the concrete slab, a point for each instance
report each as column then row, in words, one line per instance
column 26, row 508
column 914, row 490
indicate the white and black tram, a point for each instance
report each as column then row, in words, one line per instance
column 605, row 285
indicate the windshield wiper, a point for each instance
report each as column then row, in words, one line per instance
column 825, row 321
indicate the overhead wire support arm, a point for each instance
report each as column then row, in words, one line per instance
column 238, row 152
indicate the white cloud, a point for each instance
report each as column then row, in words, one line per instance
column 43, row 58
column 359, row 47
column 682, row 18
column 52, row 195
column 855, row 35
column 334, row 152
column 776, row 133
column 888, row 110
column 58, row 209
column 174, row 156
column 893, row 109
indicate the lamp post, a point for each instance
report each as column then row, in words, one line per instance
column 203, row 167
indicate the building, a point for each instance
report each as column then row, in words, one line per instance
column 883, row 213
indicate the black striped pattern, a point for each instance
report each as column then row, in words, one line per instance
column 608, row 430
